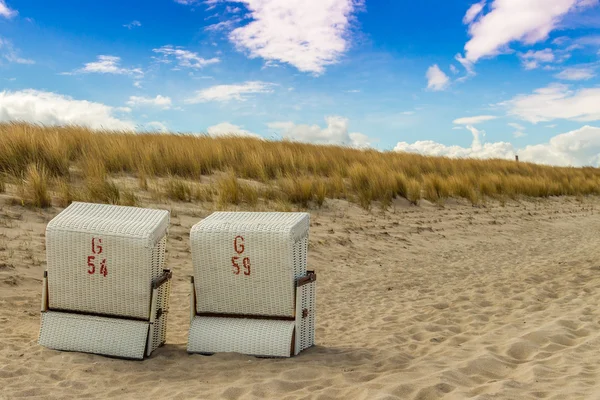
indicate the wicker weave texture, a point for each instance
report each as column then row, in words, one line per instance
column 102, row 258
column 306, row 316
column 248, row 262
column 259, row 337
column 90, row 334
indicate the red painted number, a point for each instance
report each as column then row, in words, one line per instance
column 238, row 244
column 103, row 270
column 236, row 266
column 96, row 249
column 246, row 263
column 92, row 269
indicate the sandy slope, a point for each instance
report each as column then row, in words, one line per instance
column 420, row 303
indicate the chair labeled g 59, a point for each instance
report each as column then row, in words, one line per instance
column 105, row 290
column 251, row 292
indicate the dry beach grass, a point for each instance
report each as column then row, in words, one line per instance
column 281, row 171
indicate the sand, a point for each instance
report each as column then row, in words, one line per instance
column 417, row 303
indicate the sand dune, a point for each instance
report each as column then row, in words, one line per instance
column 419, row 303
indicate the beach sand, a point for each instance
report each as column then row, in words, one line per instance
column 418, row 303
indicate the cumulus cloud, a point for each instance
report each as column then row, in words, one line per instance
column 227, row 129
column 556, row 101
column 163, row 102
column 223, row 93
column 55, row 109
column 436, row 78
column 477, row 149
column 533, row 59
column 531, row 22
column 577, row 148
column 308, row 35
column 336, row 132
column 6, row 12
column 106, row 65
column 576, row 74
column 10, row 54
column 473, row 120
column 184, row 58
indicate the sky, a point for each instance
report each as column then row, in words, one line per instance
column 487, row 79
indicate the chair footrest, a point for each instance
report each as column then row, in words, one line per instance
column 258, row 337
column 91, row 334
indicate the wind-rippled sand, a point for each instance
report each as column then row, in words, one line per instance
column 420, row 303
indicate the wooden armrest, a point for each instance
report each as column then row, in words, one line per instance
column 161, row 280
column 311, row 276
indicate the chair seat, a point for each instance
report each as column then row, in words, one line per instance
column 258, row 337
column 91, row 334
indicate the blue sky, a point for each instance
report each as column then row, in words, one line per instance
column 458, row 78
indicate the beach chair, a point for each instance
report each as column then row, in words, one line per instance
column 251, row 292
column 105, row 290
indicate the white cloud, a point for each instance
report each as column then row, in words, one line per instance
column 477, row 149
column 10, row 54
column 163, row 102
column 518, row 129
column 137, row 84
column 531, row 21
column 556, row 101
column 106, row 65
column 436, row 78
column 577, row 148
column 576, row 74
column 473, row 120
column 352, row 91
column 336, row 132
column 6, row 12
column 155, row 126
column 55, row 109
column 473, row 12
column 132, row 24
column 227, row 129
column 309, row 34
column 230, row 92
column 453, row 69
column 533, row 59
column 185, row 58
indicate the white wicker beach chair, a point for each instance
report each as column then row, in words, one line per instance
column 105, row 290
column 251, row 292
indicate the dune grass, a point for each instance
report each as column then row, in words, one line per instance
column 283, row 171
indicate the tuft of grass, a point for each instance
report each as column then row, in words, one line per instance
column 413, row 191
column 435, row 188
column 128, row 198
column 34, row 188
column 2, row 184
column 177, row 189
column 231, row 191
column 320, row 188
column 65, row 193
column 102, row 191
column 298, row 190
column 203, row 193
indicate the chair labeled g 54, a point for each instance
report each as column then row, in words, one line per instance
column 105, row 290
column 251, row 292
